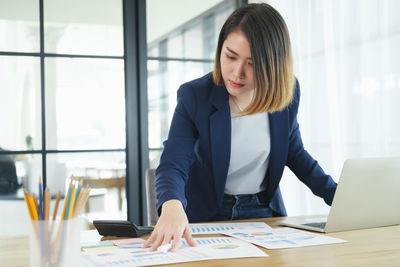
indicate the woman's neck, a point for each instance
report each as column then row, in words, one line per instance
column 240, row 102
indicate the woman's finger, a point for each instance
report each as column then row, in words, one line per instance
column 188, row 236
column 177, row 242
column 150, row 240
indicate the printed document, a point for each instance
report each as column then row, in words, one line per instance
column 207, row 249
column 283, row 238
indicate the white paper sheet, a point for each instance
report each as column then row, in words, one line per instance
column 283, row 238
column 218, row 228
column 207, row 249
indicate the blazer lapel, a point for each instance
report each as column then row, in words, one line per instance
column 279, row 130
column 220, row 138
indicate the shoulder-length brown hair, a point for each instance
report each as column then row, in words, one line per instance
column 270, row 48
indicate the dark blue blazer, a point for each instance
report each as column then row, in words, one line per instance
column 194, row 164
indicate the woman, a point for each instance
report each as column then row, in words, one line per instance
column 234, row 131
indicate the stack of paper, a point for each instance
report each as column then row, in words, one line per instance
column 128, row 252
column 207, row 249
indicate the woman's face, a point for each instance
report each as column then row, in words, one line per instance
column 237, row 64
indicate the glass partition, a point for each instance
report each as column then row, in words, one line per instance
column 90, row 27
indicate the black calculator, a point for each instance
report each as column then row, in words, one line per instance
column 120, row 228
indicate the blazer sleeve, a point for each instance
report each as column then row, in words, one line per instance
column 301, row 163
column 178, row 153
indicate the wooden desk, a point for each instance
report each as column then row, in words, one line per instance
column 369, row 247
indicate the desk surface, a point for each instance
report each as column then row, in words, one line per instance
column 368, row 247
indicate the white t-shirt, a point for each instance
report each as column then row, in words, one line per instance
column 250, row 148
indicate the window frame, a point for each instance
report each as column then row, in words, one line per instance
column 134, row 35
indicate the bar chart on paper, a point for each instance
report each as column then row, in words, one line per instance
column 218, row 228
column 210, row 241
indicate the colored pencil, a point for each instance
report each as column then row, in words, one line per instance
column 40, row 199
column 78, row 202
column 28, row 204
column 78, row 190
column 56, row 206
column 71, row 204
column 70, row 189
column 36, row 203
column 46, row 205
column 67, row 195
column 33, row 206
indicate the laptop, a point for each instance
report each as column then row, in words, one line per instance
column 367, row 196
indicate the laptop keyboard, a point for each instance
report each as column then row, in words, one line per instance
column 320, row 225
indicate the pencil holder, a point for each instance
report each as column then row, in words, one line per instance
column 55, row 243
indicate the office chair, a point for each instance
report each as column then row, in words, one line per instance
column 152, row 215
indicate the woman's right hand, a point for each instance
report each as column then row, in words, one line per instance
column 172, row 225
